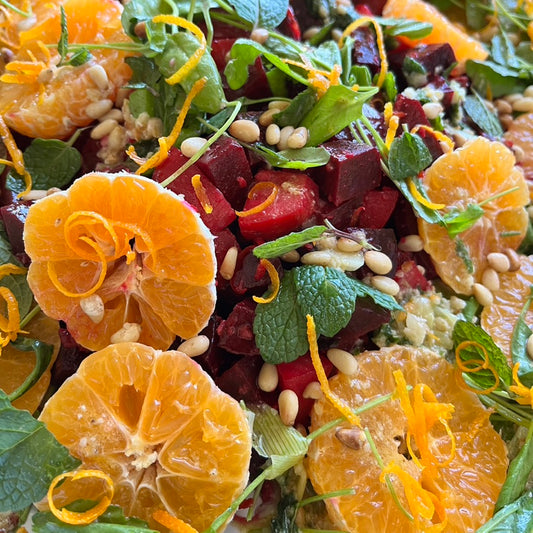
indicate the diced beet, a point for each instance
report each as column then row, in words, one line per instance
column 409, row 276
column 236, row 332
column 378, row 206
column 369, row 7
column 432, row 143
column 383, row 239
column 70, row 355
column 290, row 25
column 305, row 16
column 352, row 170
column 433, row 58
column 225, row 164
column 296, row 375
column 13, row 216
column 367, row 317
column 222, row 216
column 365, row 51
column 224, row 240
column 342, row 217
column 438, row 83
column 220, row 50
column 410, row 112
column 293, row 205
column 214, row 360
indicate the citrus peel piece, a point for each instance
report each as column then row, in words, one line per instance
column 269, row 200
column 274, row 278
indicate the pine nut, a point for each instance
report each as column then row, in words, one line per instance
column 267, row 380
column 352, row 437
column 34, row 194
column 245, row 130
column 343, row 361
column 313, row 391
column 129, row 332
column 503, row 106
column 490, row 279
column 327, row 243
column 259, row 35
column 514, row 259
column 506, row 120
column 432, row 110
column 98, row 109
column 499, row 261
column 284, row 135
column 482, row 294
column 336, row 34
column 117, row 138
column 272, row 134
column 227, row 267
column 288, row 406
column 411, row 243
column 523, row 105
column 122, row 94
column 195, row 346
column 519, row 153
column 103, row 129
column 310, row 33
column 378, row 262
column 279, row 104
column 348, row 245
column 445, row 147
column 115, row 114
column 512, row 97
column 154, row 128
column 191, row 146
column 298, row 138
column 291, row 257
column 93, row 307
column 528, row 92
column 385, row 284
column 529, row 346
column 267, row 118
column 457, row 304
column 98, row 75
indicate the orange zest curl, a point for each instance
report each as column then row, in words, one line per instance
column 392, row 128
column 10, row 325
column 269, row 200
column 176, row 525
column 475, row 365
column 201, row 194
column 344, row 409
column 274, row 278
column 320, row 80
column 17, row 160
column 423, row 201
column 437, row 134
column 90, row 515
column 524, row 394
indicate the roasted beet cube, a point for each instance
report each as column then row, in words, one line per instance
column 214, row 360
column 439, row 84
column 410, row 112
column 236, row 332
column 13, row 216
column 410, row 276
column 70, row 355
column 431, row 58
column 352, row 170
column 378, row 206
column 250, row 275
column 290, row 25
column 432, row 143
column 225, row 164
column 220, row 50
column 365, row 50
column 293, row 205
column 369, row 7
column 221, row 216
column 344, row 216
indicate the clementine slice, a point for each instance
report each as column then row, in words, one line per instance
column 38, row 98
column 444, row 31
column 466, row 487
column 118, row 257
column 520, row 133
column 472, row 174
column 159, row 427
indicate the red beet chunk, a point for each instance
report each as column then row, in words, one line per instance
column 378, row 206
column 13, row 216
column 341, row 217
column 369, row 7
column 296, row 375
column 365, row 50
column 432, row 143
column 410, row 112
column 438, row 83
column 70, row 355
column 434, row 58
column 293, row 205
column 249, row 275
column 352, row 170
column 409, row 276
column 290, row 25
column 220, row 50
column 225, row 164
column 222, row 215
column 214, row 360
column 236, row 332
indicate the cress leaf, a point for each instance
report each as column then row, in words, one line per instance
column 6, row 255
column 289, row 242
column 429, row 215
column 327, row 294
column 517, row 517
column 456, row 221
column 62, row 45
column 30, row 458
column 498, row 79
column 408, row 156
column 462, row 251
column 467, row 331
column 412, row 29
column 18, row 285
column 486, row 121
column 521, row 334
column 285, row 519
column 503, row 51
column 517, row 476
column 263, row 13
column 302, row 158
column 380, row 298
column 338, row 108
column 50, row 162
column 280, row 327
column 300, row 105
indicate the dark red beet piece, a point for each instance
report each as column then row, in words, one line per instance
column 13, row 216
column 434, row 58
column 438, row 83
column 236, row 332
column 352, row 170
column 220, row 50
column 225, row 164
column 410, row 112
column 70, row 355
column 377, row 208
column 222, row 215
column 249, row 275
column 342, row 217
column 293, row 205
column 214, row 360
column 365, row 50
column 290, row 25
column 409, row 276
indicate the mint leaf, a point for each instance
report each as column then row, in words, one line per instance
column 516, row 517
column 30, row 458
column 380, row 298
column 456, row 221
column 486, row 121
column 327, row 294
column 289, row 242
column 408, row 156
column 280, row 328
column 521, row 334
column 262, row 13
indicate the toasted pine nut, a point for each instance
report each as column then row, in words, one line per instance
column 343, row 361
column 190, row 147
column 490, row 279
column 353, row 437
column 309, row 33
column 313, row 391
column 284, row 135
column 103, row 129
column 259, row 35
column 129, row 332
column 291, row 257
column 298, row 138
column 117, row 138
column 98, row 75
column 93, row 307
column 529, row 346
column 34, row 194
column 432, row 110
column 523, row 105
column 503, row 106
column 227, row 267
column 378, row 262
column 411, row 243
column 99, row 108
column 267, row 118
column 348, row 245
column 483, row 294
column 514, row 259
column 499, row 261
column 385, row 284
column 195, row 346
column 279, row 104
column 288, row 406
column 268, row 377
column 528, row 92
column 272, row 134
column 115, row 114
column 245, row 130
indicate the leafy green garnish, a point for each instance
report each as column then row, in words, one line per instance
column 408, row 156
column 308, row 157
column 517, row 517
column 285, row 519
column 263, row 13
column 78, row 57
column 300, row 105
column 380, row 298
column 462, row 252
column 457, row 221
column 477, row 110
column 30, row 458
column 289, row 242
column 521, row 334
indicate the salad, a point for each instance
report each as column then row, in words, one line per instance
column 266, row 266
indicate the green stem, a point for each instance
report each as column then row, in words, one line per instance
column 322, row 497
column 499, row 195
column 225, row 7
column 382, row 147
column 33, row 312
column 515, row 20
column 208, row 23
column 190, row 14
column 16, row 9
column 362, row 132
column 231, row 21
column 507, row 410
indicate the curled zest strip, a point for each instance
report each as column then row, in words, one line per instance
column 480, row 364
column 90, row 515
column 379, row 39
column 176, row 525
column 193, row 61
column 274, row 278
column 141, row 235
column 421, row 200
column 269, row 200
column 10, row 325
column 437, row 134
column 344, row 409
column 525, row 395
column 201, row 194
column 15, row 154
column 394, row 122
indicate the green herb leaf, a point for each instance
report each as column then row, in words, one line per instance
column 6, row 255
column 285, row 519
column 500, row 80
column 280, row 327
column 457, row 221
column 30, row 457
column 79, row 57
column 477, row 110
column 380, row 298
column 413, row 29
column 408, row 156
column 263, row 13
column 62, row 45
column 300, row 105
column 18, row 285
column 327, row 294
column 50, row 162
column 521, row 334
column 516, row 517
column 289, row 242
column 463, row 253
column 308, row 157
column 467, row 331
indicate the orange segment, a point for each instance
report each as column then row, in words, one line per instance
column 156, row 254
column 444, row 31
column 467, row 488
column 54, row 108
column 159, row 427
column 520, row 133
column 480, row 170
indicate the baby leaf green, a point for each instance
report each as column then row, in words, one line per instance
column 289, row 242
column 408, row 156
column 521, row 334
column 517, row 517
